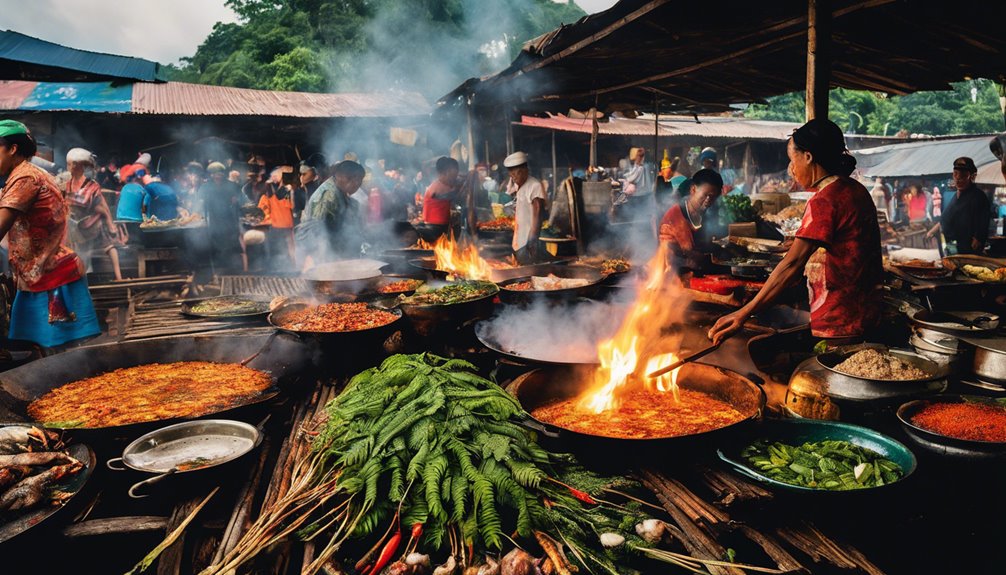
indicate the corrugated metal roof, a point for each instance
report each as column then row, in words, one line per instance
column 19, row 48
column 179, row 98
column 924, row 158
column 708, row 127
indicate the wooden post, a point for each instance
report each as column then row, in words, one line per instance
column 593, row 137
column 471, row 137
column 555, row 181
column 656, row 144
column 818, row 58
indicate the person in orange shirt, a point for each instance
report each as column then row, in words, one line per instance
column 277, row 205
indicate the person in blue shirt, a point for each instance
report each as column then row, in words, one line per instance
column 130, row 206
column 160, row 200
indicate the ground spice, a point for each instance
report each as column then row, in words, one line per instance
column 971, row 421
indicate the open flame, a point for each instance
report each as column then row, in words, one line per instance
column 639, row 340
column 461, row 261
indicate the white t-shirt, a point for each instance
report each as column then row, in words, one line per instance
column 530, row 191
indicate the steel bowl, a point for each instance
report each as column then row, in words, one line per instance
column 943, row 444
column 989, row 363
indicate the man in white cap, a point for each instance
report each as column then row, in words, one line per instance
column 530, row 205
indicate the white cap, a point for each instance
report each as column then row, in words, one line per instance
column 80, row 156
column 515, row 159
column 144, row 159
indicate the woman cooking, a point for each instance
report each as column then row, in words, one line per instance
column 681, row 225
column 837, row 246
column 52, row 306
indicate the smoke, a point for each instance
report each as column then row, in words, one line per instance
column 547, row 332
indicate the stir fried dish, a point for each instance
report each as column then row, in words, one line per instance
column 149, row 393
column 503, row 224
column 459, row 292
column 985, row 274
column 551, row 282
column 828, row 465
column 874, row 364
column 400, row 286
column 968, row 421
column 229, row 305
column 336, row 317
column 644, row 414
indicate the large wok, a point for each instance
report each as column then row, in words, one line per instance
column 282, row 359
column 486, row 335
column 592, row 275
column 354, row 339
column 548, row 385
column 428, row 319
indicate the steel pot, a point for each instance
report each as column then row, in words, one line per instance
column 185, row 447
column 989, row 363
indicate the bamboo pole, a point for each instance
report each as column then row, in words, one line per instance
column 818, row 58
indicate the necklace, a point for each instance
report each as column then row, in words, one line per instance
column 690, row 219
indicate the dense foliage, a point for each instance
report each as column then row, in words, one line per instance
column 954, row 111
column 361, row 45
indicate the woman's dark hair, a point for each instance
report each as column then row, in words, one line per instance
column 826, row 142
column 444, row 163
column 350, row 169
column 26, row 147
column 707, row 176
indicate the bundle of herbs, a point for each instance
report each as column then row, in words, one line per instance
column 423, row 456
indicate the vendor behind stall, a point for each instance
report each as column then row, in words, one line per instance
column 438, row 196
column 965, row 222
column 530, row 207
column 331, row 227
column 52, row 306
column 837, row 246
column 679, row 226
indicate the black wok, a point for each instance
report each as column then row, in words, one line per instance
column 429, row 265
column 592, row 275
column 373, row 336
column 484, row 333
column 428, row 319
column 544, row 386
column 282, row 359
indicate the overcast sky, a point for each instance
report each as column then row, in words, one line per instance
column 159, row 30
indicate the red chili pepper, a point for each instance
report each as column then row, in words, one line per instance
column 582, row 495
column 388, row 552
column 366, row 570
column 547, row 502
column 417, row 530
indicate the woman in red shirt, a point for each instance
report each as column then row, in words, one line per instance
column 437, row 201
column 52, row 306
column 683, row 219
column 837, row 246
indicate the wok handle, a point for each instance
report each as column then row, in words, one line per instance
column 110, row 465
column 148, row 482
column 539, row 428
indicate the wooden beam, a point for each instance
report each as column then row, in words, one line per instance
column 818, row 58
column 603, row 33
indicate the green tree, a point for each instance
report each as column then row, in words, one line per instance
column 318, row 45
column 970, row 107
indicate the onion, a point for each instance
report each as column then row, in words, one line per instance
column 610, row 540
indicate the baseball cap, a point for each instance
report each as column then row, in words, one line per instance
column 12, row 128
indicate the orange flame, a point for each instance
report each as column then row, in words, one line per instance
column 461, row 262
column 660, row 302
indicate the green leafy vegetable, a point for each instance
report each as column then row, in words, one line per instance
column 830, row 465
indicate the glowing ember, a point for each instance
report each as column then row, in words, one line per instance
column 461, row 261
column 661, row 302
column 422, row 244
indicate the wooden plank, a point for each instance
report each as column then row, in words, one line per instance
column 170, row 562
column 115, row 526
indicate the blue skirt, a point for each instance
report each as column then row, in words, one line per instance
column 29, row 318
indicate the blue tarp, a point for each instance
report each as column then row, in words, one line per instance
column 79, row 96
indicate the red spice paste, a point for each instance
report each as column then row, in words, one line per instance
column 971, row 421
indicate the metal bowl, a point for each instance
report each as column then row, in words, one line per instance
column 926, row 320
column 934, row 372
column 944, row 444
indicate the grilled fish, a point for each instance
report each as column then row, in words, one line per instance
column 11, row 475
column 35, row 458
column 18, row 439
column 31, row 491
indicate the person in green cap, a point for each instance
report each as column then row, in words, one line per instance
column 53, row 306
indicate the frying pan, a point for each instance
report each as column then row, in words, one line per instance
column 356, row 338
column 185, row 447
column 187, row 308
column 283, row 359
column 594, row 277
column 344, row 277
column 547, row 385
